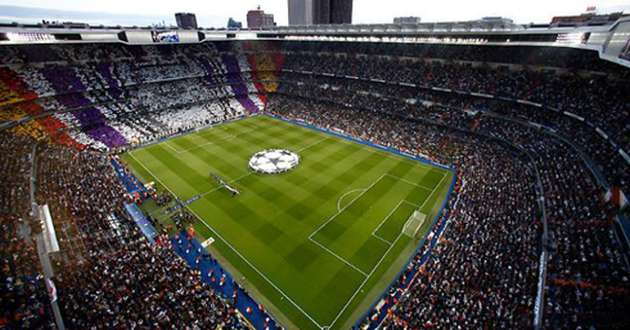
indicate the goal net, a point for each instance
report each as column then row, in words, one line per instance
column 414, row 223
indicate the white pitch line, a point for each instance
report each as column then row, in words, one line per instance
column 387, row 217
column 339, row 257
column 344, row 195
column 417, row 206
column 231, row 247
column 381, row 239
column 250, row 173
column 310, row 237
column 256, row 269
column 321, row 226
column 170, row 146
column 313, row 144
column 384, row 153
column 433, row 191
column 365, row 281
column 345, row 207
column 229, row 137
column 409, row 182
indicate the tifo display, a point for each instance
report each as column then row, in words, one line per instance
column 273, row 161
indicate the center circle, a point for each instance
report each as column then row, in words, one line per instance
column 273, row 161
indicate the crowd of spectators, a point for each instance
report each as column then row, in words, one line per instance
column 494, row 228
column 15, row 173
column 522, row 55
column 142, row 286
column 588, row 276
column 603, row 102
column 23, row 298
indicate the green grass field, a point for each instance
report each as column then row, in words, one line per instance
column 315, row 245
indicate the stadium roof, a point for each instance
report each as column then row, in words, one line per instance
column 609, row 39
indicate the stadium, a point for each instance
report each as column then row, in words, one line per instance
column 378, row 176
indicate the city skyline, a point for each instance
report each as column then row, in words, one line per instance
column 118, row 12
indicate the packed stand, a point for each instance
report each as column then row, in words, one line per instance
column 24, row 301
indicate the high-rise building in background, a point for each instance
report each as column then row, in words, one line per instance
column 340, row 11
column 186, row 20
column 307, row 12
column 407, row 20
column 321, row 11
column 257, row 19
column 300, row 12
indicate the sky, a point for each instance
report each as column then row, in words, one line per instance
column 215, row 13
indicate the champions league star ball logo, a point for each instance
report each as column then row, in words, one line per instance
column 272, row 161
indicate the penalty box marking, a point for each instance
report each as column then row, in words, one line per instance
column 382, row 258
column 340, row 210
column 310, row 237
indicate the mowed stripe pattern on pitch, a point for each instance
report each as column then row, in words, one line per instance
column 271, row 222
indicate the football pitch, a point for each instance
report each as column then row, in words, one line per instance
column 316, row 245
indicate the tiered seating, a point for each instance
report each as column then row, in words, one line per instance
column 601, row 102
column 12, row 89
column 23, row 298
column 240, row 89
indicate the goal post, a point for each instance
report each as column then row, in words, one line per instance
column 414, row 223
